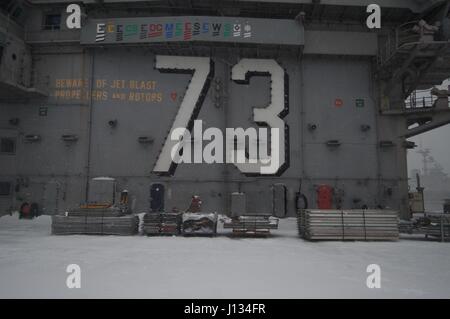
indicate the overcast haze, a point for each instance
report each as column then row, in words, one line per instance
column 439, row 144
column 438, row 141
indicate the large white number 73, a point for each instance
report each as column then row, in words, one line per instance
column 271, row 116
column 202, row 70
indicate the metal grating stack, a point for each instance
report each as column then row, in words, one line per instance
column 251, row 225
column 96, row 212
column 161, row 223
column 95, row 225
column 348, row 224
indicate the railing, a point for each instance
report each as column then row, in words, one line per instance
column 421, row 99
column 421, row 102
column 402, row 35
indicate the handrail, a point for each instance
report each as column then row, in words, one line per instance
column 414, row 22
column 401, row 35
column 419, row 102
column 424, row 101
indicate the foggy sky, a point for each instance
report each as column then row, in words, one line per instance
column 438, row 141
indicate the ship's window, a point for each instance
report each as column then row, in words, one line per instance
column 5, row 188
column 7, row 145
column 52, row 22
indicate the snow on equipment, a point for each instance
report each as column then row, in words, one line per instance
column 101, row 215
column 314, row 224
column 199, row 224
column 195, row 222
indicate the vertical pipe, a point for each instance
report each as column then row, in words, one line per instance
column 376, row 98
column 302, row 126
column 89, row 135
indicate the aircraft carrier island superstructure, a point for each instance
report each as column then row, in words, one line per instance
column 101, row 100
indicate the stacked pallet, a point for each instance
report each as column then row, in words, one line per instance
column 203, row 224
column 161, row 223
column 151, row 224
column 251, row 225
column 348, row 224
column 94, row 225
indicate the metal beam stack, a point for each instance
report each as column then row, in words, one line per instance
column 251, row 225
column 161, row 223
column 348, row 224
column 95, row 225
